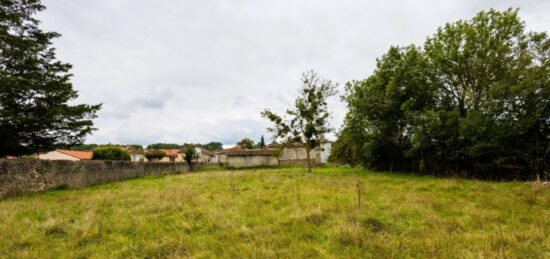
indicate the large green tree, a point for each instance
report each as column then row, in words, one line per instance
column 35, row 87
column 381, row 108
column 475, row 100
column 494, row 91
column 308, row 120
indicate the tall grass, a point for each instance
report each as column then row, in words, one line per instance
column 271, row 213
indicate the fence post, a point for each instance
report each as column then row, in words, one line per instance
column 359, row 194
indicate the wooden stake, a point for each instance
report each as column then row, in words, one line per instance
column 232, row 185
column 358, row 195
column 297, row 191
column 99, row 229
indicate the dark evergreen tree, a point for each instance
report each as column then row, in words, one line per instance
column 35, row 87
column 261, row 144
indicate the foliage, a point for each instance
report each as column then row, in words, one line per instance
column 190, row 155
column 134, row 147
column 163, row 146
column 261, row 144
column 154, row 155
column 35, row 87
column 212, row 146
column 86, row 147
column 475, row 100
column 308, row 119
column 246, row 143
column 197, row 215
column 110, row 153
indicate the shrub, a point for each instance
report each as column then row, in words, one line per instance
column 154, row 155
column 110, row 153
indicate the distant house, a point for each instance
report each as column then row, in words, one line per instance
column 206, row 156
column 136, row 155
column 171, row 155
column 274, row 154
column 222, row 155
column 62, row 154
column 295, row 153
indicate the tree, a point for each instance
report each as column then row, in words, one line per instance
column 475, row 100
column 154, row 155
column 163, row 146
column 134, row 147
column 84, row 147
column 212, row 146
column 308, row 120
column 35, row 87
column 246, row 143
column 190, row 155
column 110, row 153
column 382, row 109
column 261, row 144
column 494, row 90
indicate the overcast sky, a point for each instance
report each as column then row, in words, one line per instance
column 197, row 71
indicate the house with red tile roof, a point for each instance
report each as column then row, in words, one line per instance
column 170, row 155
column 63, row 154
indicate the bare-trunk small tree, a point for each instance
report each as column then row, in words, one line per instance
column 307, row 121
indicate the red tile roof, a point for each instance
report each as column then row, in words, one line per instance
column 228, row 150
column 286, row 145
column 82, row 155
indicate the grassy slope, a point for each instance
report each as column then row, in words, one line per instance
column 281, row 213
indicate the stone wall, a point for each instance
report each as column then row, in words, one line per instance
column 251, row 161
column 20, row 176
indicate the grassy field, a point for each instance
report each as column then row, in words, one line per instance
column 274, row 213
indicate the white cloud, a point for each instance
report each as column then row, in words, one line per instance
column 196, row 71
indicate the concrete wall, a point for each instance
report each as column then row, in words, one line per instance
column 250, row 161
column 20, row 176
column 222, row 158
column 56, row 155
column 325, row 152
column 167, row 159
column 299, row 154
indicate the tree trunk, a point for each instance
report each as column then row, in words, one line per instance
column 308, row 159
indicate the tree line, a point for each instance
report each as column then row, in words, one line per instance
column 473, row 101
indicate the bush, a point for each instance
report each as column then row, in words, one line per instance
column 154, row 155
column 110, row 153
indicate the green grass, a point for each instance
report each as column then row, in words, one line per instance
column 272, row 213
